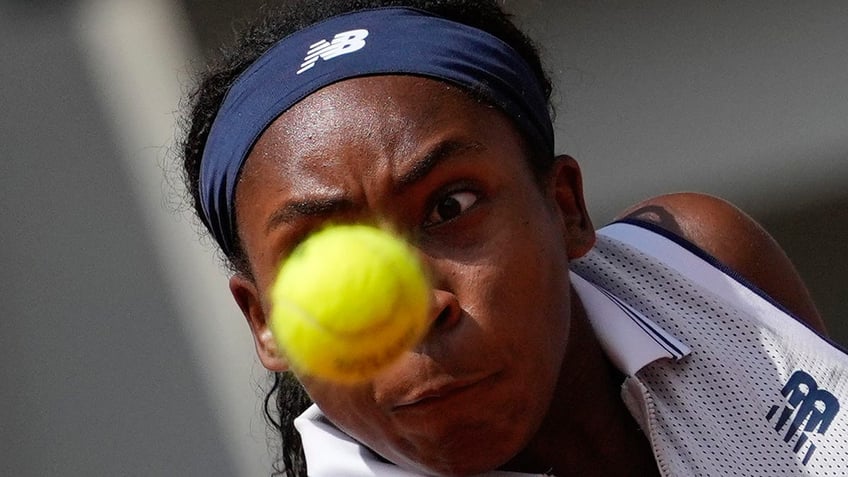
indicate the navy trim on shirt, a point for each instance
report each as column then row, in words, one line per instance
column 710, row 259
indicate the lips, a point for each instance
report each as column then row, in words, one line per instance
column 436, row 392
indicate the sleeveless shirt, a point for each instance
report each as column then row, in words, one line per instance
column 722, row 379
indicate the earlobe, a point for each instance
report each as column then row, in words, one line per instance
column 567, row 190
column 249, row 300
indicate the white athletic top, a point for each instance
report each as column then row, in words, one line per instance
column 721, row 378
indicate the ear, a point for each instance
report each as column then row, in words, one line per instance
column 250, row 302
column 566, row 188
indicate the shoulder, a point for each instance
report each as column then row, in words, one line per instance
column 735, row 239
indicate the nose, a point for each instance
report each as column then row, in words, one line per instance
column 445, row 311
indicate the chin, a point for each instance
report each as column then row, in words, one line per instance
column 459, row 469
column 453, row 460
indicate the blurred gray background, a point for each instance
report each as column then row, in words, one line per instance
column 121, row 352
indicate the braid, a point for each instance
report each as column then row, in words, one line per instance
column 291, row 400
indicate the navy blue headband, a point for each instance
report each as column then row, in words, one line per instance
column 369, row 42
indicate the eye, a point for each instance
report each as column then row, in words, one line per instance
column 451, row 206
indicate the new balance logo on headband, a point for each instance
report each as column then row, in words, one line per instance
column 342, row 44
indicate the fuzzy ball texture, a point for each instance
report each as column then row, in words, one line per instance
column 348, row 301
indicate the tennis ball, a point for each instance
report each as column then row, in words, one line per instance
column 347, row 302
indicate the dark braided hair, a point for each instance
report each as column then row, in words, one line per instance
column 287, row 399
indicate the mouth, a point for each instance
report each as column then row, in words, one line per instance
column 441, row 392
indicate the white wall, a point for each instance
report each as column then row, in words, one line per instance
column 748, row 100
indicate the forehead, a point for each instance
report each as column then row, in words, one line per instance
column 368, row 119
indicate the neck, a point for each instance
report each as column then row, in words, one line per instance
column 588, row 430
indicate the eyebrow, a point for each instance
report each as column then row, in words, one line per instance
column 443, row 151
column 327, row 206
column 295, row 210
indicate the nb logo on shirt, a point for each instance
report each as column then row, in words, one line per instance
column 808, row 410
column 342, row 44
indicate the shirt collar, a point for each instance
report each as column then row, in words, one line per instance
column 330, row 452
column 628, row 337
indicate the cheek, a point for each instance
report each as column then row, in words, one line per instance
column 529, row 311
column 337, row 399
column 520, row 293
column 526, row 278
column 350, row 408
column 523, row 300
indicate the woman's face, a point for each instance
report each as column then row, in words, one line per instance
column 451, row 173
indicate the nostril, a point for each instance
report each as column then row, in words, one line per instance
column 447, row 310
column 442, row 319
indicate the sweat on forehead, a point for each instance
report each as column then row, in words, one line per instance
column 368, row 42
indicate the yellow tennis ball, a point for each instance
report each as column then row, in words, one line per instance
column 348, row 301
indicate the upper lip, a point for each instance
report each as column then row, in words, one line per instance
column 437, row 390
